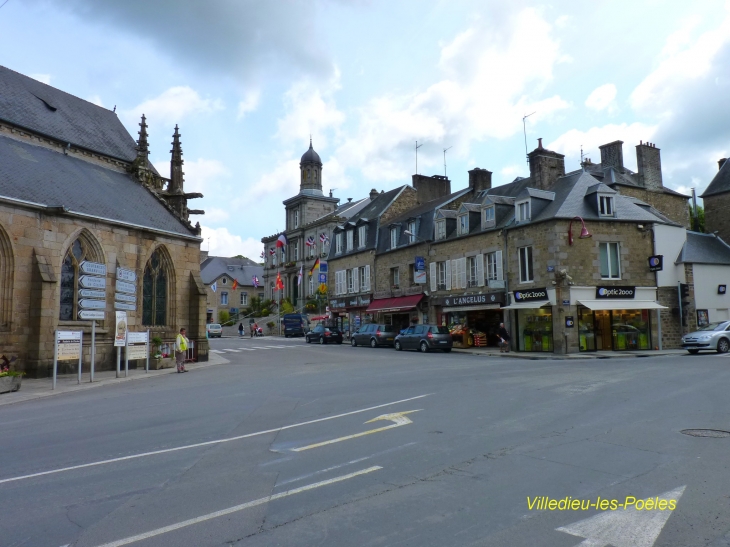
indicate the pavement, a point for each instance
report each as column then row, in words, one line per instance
column 296, row 444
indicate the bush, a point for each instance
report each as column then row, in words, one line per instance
column 265, row 312
column 223, row 316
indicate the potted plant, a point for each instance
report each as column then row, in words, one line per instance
column 271, row 326
column 10, row 380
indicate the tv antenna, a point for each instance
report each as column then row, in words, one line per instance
column 581, row 157
column 524, row 130
column 445, row 149
column 417, row 147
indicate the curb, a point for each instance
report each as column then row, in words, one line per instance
column 569, row 357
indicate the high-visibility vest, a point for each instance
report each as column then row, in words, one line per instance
column 182, row 343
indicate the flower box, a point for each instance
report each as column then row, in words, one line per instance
column 10, row 383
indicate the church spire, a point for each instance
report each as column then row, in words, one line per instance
column 176, row 173
column 143, row 148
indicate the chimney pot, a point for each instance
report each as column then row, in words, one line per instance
column 373, row 194
column 539, row 143
column 720, row 163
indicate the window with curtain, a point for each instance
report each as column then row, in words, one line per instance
column 154, row 292
column 76, row 254
column 610, row 261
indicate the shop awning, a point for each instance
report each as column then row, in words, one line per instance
column 527, row 305
column 394, row 305
column 471, row 308
column 619, row 304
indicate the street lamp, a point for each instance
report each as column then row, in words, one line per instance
column 411, row 234
column 584, row 233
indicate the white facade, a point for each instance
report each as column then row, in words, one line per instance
column 668, row 241
column 707, row 278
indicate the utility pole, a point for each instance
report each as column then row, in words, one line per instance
column 417, row 147
column 445, row 149
column 524, row 130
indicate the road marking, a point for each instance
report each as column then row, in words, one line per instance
column 276, row 347
column 246, row 349
column 233, row 350
column 399, row 419
column 217, row 351
column 623, row 527
column 260, row 347
column 237, row 508
column 209, row 443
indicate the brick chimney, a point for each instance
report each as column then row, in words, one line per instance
column 433, row 187
column 649, row 166
column 546, row 167
column 480, row 179
column 373, row 194
column 612, row 155
column 720, row 163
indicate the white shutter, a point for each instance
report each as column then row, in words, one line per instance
column 480, row 269
column 448, row 275
column 337, row 282
column 498, row 258
column 356, row 279
column 434, row 281
column 463, row 273
column 367, row 278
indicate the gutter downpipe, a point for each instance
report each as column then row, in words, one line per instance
column 505, row 276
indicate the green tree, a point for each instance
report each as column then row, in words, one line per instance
column 223, row 316
column 286, row 307
column 698, row 224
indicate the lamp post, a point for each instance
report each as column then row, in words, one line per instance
column 584, row 233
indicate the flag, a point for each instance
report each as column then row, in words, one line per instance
column 282, row 241
column 315, row 265
column 310, row 241
column 272, row 251
column 324, row 238
column 235, row 284
column 255, row 281
column 263, row 254
column 214, row 286
column 299, row 277
column 279, row 282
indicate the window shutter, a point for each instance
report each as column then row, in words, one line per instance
column 356, row 279
column 463, row 272
column 366, row 280
column 480, row 269
column 448, row 275
column 434, row 281
column 498, row 259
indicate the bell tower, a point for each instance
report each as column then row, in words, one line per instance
column 310, row 168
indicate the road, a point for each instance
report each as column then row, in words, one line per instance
column 295, row 445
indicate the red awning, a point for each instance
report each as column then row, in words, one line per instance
column 392, row 305
column 320, row 318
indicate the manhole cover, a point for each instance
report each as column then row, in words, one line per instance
column 714, row 433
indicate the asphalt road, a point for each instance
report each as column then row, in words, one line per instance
column 282, row 446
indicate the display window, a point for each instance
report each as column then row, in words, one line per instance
column 473, row 328
column 535, row 329
column 614, row 330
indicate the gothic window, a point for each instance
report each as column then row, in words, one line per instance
column 76, row 254
column 154, row 291
column 6, row 280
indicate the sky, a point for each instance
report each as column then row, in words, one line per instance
column 248, row 82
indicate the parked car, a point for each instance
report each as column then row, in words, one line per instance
column 214, row 330
column 374, row 335
column 424, row 338
column 324, row 335
column 715, row 336
column 295, row 324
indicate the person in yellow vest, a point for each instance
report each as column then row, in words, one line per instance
column 181, row 347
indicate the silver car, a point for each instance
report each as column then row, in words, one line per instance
column 715, row 336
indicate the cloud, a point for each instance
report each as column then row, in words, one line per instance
column 96, row 100
column 602, row 97
column 282, row 180
column 215, row 215
column 172, row 105
column 44, row 78
column 249, row 103
column 201, row 175
column 220, row 242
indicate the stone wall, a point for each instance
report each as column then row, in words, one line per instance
column 406, row 200
column 717, row 215
column 671, row 206
column 38, row 243
column 356, row 260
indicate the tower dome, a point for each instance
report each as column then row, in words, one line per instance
column 310, row 156
column 311, row 172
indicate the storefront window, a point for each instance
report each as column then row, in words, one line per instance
column 630, row 329
column 586, row 330
column 535, row 329
column 613, row 330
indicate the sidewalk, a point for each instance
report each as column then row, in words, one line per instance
column 494, row 352
column 33, row 388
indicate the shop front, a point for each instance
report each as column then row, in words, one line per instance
column 472, row 319
column 357, row 315
column 615, row 318
column 400, row 311
column 533, row 319
column 339, row 316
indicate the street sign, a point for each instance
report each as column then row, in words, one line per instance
column 121, row 297
column 68, row 345
column 92, row 314
column 123, row 286
column 92, row 282
column 93, row 268
column 126, row 275
column 124, row 306
column 323, row 278
column 120, row 330
column 322, row 267
column 420, row 265
column 91, row 293
column 136, row 345
column 92, row 304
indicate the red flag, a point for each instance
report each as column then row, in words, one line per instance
column 279, row 282
column 235, row 284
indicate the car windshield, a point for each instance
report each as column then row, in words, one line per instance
column 720, row 325
column 214, row 326
column 440, row 330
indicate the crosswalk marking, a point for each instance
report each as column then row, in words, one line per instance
column 233, row 350
column 254, row 348
column 247, row 349
column 216, row 351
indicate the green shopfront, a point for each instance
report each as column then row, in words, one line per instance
column 532, row 319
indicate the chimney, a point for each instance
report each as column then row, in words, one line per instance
column 720, row 163
column 203, row 255
column 612, row 155
column 546, row 167
column 428, row 188
column 373, row 194
column 480, row 179
column 649, row 166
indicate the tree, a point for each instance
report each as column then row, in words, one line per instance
column 286, row 306
column 223, row 316
column 697, row 225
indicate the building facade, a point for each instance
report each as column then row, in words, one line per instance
column 229, row 285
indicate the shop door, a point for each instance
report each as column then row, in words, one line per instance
column 602, row 330
column 586, row 329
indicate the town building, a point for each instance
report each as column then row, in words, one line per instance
column 230, row 284
column 716, row 200
column 88, row 227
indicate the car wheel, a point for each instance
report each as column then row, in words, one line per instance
column 447, row 350
column 723, row 345
column 398, row 346
column 373, row 343
column 693, row 351
column 321, row 340
column 353, row 343
column 423, row 347
column 307, row 339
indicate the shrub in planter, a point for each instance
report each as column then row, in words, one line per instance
column 10, row 380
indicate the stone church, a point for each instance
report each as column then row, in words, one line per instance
column 78, row 193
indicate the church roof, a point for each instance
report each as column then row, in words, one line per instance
column 310, row 156
column 43, row 109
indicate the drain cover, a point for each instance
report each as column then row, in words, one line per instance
column 714, row 433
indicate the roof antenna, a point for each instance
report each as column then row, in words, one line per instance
column 115, row 108
column 445, row 149
column 524, row 130
column 417, row 147
column 581, row 158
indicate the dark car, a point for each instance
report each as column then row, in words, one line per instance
column 324, row 335
column 295, row 324
column 425, row 338
column 374, row 336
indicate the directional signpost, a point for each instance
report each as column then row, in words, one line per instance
column 125, row 297
column 92, row 300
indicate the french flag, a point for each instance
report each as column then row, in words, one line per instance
column 282, row 241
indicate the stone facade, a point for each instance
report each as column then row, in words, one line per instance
column 717, row 215
column 672, row 206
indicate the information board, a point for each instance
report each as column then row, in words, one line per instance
column 68, row 345
column 136, row 345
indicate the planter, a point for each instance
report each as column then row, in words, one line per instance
column 10, row 383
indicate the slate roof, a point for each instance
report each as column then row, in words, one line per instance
column 214, row 267
column 43, row 109
column 720, row 183
column 704, row 249
column 43, row 176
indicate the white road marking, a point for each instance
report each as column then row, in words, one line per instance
column 247, row 349
column 236, row 508
column 208, row 443
column 233, row 350
column 624, row 527
column 217, row 351
column 259, row 347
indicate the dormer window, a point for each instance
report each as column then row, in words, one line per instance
column 350, row 239
column 393, row 238
column 440, row 229
column 412, row 230
column 338, row 243
column 463, row 224
column 362, row 236
column 522, row 211
column 605, row 206
column 489, row 216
